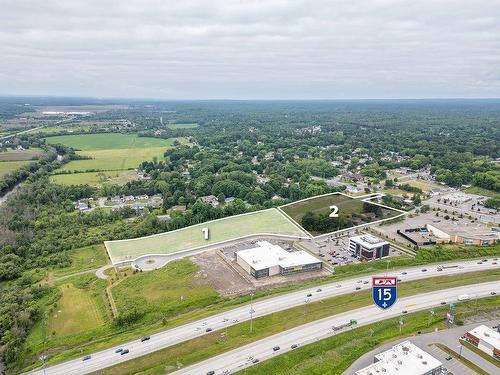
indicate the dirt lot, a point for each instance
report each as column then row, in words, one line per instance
column 229, row 279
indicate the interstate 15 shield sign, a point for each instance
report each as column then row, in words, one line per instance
column 384, row 291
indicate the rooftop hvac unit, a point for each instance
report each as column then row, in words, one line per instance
column 400, row 362
column 424, row 363
column 420, row 356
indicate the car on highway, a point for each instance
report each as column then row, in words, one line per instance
column 294, row 346
column 404, row 312
column 276, row 348
column 211, row 372
column 493, row 293
column 226, row 372
column 424, row 269
column 86, row 358
column 119, row 350
column 208, row 329
column 124, row 351
column 404, row 273
column 358, row 288
column 235, row 320
column 319, row 290
column 255, row 360
column 145, row 338
column 443, row 302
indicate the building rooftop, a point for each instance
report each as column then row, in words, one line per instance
column 404, row 358
column 478, row 231
column 368, row 241
column 267, row 255
column 487, row 335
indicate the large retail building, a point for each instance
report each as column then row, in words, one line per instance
column 267, row 260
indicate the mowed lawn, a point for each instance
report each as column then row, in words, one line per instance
column 110, row 151
column 320, row 205
column 168, row 291
column 78, row 309
column 95, row 178
column 265, row 221
column 182, row 126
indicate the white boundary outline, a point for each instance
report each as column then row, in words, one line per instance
column 309, row 236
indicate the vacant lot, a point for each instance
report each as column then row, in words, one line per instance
column 172, row 290
column 84, row 258
column 95, row 178
column 18, row 155
column 353, row 211
column 76, row 311
column 266, row 221
column 10, row 166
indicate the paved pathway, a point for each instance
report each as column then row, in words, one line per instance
column 100, row 271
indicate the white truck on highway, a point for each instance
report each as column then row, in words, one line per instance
column 463, row 297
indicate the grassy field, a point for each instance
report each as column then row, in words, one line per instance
column 168, row 291
column 109, row 141
column 95, row 178
column 204, row 347
column 481, row 191
column 76, row 311
column 321, row 205
column 10, row 166
column 112, row 151
column 266, row 221
column 17, row 155
column 82, row 259
column 182, row 126
column 423, row 185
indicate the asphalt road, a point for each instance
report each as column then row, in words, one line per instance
column 239, row 359
column 108, row 357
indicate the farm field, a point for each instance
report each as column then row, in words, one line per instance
column 182, row 126
column 355, row 211
column 18, row 155
column 95, row 178
column 169, row 291
column 111, row 151
column 423, row 185
column 266, row 221
column 109, row 141
column 10, row 166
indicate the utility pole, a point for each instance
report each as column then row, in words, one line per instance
column 251, row 313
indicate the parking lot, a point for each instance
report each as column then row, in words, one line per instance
column 466, row 204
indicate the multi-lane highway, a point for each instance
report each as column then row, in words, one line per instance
column 109, row 357
column 245, row 356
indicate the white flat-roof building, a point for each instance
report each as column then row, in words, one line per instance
column 403, row 359
column 368, row 247
column 267, row 260
column 486, row 339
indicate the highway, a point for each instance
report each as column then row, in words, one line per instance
column 108, row 357
column 241, row 358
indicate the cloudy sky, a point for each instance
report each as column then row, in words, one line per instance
column 269, row 49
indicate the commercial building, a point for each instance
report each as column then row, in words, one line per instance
column 368, row 247
column 267, row 260
column 418, row 236
column 467, row 234
column 403, row 359
column 485, row 339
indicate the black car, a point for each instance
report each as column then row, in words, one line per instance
column 208, row 329
column 405, row 311
column 86, row 358
column 119, row 350
column 404, row 273
column 293, row 346
column 276, row 348
column 493, row 293
column 449, row 358
column 211, row 372
column 309, row 295
column 424, row 269
column 145, row 338
column 255, row 360
column 124, row 351
column 358, row 288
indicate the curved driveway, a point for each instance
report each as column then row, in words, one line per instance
column 108, row 357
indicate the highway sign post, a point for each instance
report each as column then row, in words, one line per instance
column 384, row 291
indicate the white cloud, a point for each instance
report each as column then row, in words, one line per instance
column 250, row 49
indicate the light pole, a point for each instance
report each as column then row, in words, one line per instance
column 387, row 269
column 460, row 352
column 42, row 358
column 251, row 313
